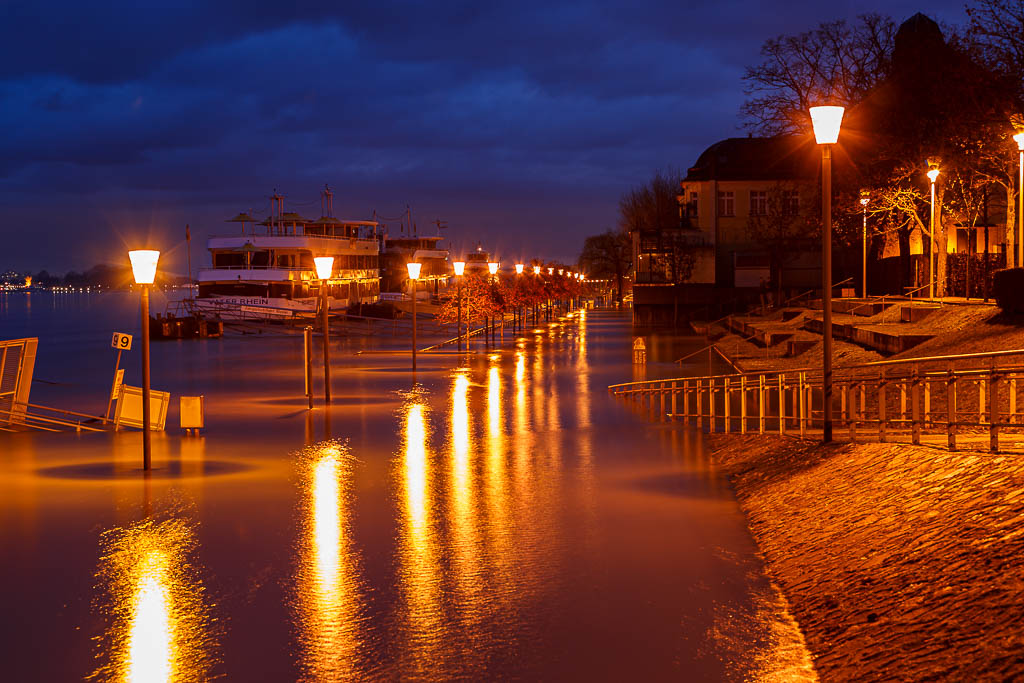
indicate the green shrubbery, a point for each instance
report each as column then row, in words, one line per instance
column 1008, row 289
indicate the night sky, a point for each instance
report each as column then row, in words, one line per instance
column 519, row 126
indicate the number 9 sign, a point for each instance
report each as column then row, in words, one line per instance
column 121, row 341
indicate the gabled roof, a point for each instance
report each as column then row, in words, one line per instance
column 786, row 157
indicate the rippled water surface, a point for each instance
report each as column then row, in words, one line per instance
column 494, row 516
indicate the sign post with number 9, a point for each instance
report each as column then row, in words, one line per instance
column 121, row 342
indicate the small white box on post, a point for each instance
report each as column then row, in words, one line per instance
column 191, row 413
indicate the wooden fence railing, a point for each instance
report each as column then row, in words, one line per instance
column 970, row 397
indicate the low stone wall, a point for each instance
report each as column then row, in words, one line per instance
column 900, row 562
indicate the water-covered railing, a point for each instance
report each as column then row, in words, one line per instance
column 970, row 399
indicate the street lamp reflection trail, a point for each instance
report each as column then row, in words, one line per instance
column 151, row 637
column 468, row 588
column 329, row 602
column 496, row 485
column 159, row 628
column 420, row 574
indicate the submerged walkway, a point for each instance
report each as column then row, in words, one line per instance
column 491, row 518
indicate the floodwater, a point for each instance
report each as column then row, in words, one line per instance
column 494, row 516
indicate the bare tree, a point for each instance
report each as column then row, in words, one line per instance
column 607, row 255
column 836, row 62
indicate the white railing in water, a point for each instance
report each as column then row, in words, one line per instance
column 964, row 395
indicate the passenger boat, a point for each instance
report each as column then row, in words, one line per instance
column 266, row 270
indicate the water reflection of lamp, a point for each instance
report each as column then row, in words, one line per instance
column 328, row 599
column 420, row 569
column 414, row 275
column 324, row 267
column 144, row 262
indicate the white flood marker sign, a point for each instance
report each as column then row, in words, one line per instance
column 129, row 408
column 121, row 341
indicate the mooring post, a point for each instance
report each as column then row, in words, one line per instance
column 307, row 356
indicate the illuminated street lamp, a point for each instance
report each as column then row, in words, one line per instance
column 865, row 197
column 826, row 122
column 519, row 269
column 933, row 174
column 144, row 263
column 551, row 271
column 414, row 275
column 536, row 270
column 459, row 267
column 492, row 268
column 1019, row 139
column 324, row 266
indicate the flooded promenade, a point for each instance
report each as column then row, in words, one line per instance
column 494, row 516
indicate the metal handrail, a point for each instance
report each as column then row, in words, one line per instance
column 858, row 366
column 812, row 291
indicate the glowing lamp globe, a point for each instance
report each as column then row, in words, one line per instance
column 519, row 269
column 1019, row 139
column 551, row 271
column 826, row 122
column 414, row 270
column 460, row 267
column 933, row 174
column 492, row 267
column 561, row 270
column 324, row 266
column 536, row 270
column 144, row 265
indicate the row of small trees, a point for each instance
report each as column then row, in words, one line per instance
column 484, row 296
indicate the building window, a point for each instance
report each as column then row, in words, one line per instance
column 791, row 202
column 758, row 203
column 726, row 204
column 692, row 206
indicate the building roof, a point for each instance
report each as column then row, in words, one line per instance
column 786, row 157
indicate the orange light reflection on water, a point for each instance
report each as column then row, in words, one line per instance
column 159, row 628
column 420, row 573
column 329, row 599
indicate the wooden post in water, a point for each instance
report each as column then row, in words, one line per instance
column 307, row 354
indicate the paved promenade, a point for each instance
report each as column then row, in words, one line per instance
column 900, row 562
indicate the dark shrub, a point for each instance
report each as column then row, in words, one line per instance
column 1008, row 288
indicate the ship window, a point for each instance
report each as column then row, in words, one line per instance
column 228, row 259
column 305, row 259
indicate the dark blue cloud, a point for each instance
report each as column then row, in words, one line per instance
column 520, row 123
